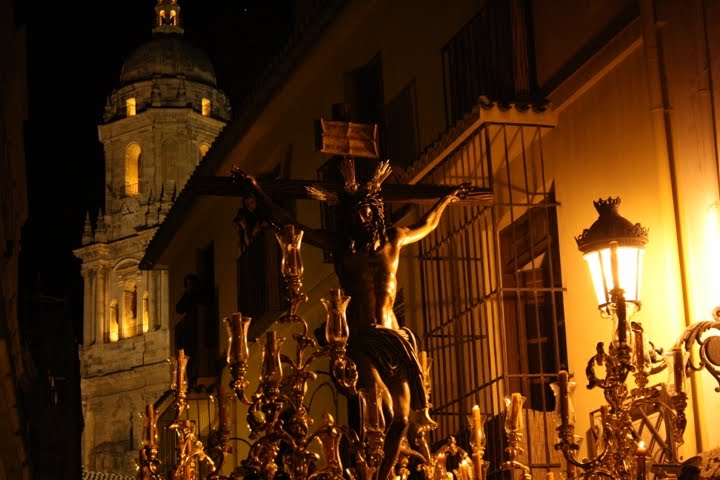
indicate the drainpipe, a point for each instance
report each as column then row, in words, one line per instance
column 661, row 114
column 708, row 87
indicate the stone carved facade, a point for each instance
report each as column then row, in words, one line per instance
column 159, row 123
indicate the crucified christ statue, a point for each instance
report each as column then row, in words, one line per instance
column 366, row 253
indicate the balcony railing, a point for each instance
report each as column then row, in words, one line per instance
column 490, row 56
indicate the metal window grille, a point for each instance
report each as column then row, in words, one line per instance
column 492, row 294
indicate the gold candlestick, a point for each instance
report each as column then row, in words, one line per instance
column 563, row 397
column 678, row 367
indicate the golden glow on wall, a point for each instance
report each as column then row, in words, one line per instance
column 707, row 294
column 206, row 107
column 130, row 105
column 132, row 169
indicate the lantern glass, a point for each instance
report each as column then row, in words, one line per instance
column 629, row 267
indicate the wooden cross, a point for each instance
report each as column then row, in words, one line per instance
column 391, row 192
column 336, row 137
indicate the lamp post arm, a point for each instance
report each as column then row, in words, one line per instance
column 708, row 346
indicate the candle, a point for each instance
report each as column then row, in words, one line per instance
column 639, row 350
column 678, row 367
column 549, row 476
column 182, row 361
column 563, row 397
column 441, row 460
column 290, row 240
column 336, row 326
column 478, row 438
column 237, row 327
column 272, row 366
column 477, row 442
column 514, row 413
column 641, row 454
column 423, row 362
column 291, row 257
column 149, row 424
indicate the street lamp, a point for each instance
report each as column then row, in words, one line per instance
column 613, row 247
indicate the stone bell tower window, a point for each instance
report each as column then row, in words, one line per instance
column 165, row 19
column 132, row 169
column 130, row 310
column 130, row 106
column 206, row 107
column 145, row 312
column 114, row 327
column 203, row 149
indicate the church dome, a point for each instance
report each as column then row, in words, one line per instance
column 168, row 56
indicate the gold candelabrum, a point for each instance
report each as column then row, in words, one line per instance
column 277, row 414
column 613, row 247
column 621, row 453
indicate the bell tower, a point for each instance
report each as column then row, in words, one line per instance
column 158, row 124
column 167, row 17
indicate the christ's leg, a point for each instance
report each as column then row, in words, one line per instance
column 400, row 394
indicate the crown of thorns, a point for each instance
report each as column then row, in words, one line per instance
column 367, row 193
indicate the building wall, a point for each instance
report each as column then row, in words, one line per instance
column 635, row 118
column 639, row 124
column 14, row 367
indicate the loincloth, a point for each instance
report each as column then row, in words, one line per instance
column 393, row 354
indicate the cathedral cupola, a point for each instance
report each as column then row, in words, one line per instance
column 168, row 71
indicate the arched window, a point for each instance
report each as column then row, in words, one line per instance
column 206, row 107
column 130, row 311
column 114, row 327
column 161, row 18
column 132, row 169
column 204, row 147
column 146, row 312
column 130, row 105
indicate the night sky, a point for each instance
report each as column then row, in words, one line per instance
column 75, row 54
